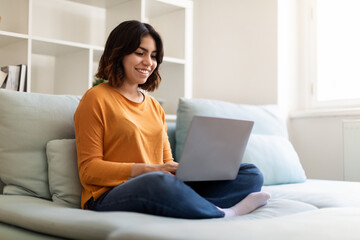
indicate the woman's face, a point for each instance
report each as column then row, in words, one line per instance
column 140, row 64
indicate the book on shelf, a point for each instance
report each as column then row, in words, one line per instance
column 13, row 76
column 3, row 76
column 22, row 78
column 16, row 77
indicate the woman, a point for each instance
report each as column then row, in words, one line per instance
column 124, row 156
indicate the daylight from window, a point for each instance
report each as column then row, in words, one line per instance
column 337, row 49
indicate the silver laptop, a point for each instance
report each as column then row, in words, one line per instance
column 213, row 149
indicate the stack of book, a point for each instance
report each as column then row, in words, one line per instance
column 13, row 77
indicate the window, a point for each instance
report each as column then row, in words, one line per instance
column 334, row 53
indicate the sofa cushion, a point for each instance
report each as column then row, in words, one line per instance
column 1, row 187
column 269, row 148
column 27, row 122
column 9, row 232
column 70, row 223
column 323, row 224
column 276, row 158
column 64, row 182
column 268, row 118
column 319, row 193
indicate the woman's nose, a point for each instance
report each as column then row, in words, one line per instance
column 147, row 60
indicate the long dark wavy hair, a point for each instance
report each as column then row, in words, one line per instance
column 122, row 41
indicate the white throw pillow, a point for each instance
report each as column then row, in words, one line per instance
column 64, row 182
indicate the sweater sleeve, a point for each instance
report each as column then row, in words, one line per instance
column 94, row 170
column 166, row 148
column 167, row 154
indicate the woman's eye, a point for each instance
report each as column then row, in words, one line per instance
column 153, row 56
column 139, row 53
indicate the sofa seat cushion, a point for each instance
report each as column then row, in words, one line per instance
column 51, row 218
column 320, row 193
column 27, row 122
column 323, row 224
column 11, row 232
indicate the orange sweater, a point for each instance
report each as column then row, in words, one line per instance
column 113, row 133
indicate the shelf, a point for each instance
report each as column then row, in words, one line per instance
column 174, row 42
column 69, row 21
column 156, row 8
column 54, row 48
column 13, row 50
column 174, row 60
column 96, row 60
column 101, row 3
column 125, row 10
column 171, row 87
column 13, row 35
column 62, row 41
column 59, row 69
column 14, row 16
column 6, row 40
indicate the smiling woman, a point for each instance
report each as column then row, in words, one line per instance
column 124, row 156
column 125, row 42
column 138, row 66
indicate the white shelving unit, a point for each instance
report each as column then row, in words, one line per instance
column 61, row 41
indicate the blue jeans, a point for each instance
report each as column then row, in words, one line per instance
column 161, row 194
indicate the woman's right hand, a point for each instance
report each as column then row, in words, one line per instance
column 142, row 168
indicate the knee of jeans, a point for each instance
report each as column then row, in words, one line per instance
column 259, row 178
column 255, row 173
column 157, row 178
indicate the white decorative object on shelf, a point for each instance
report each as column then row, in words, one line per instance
column 61, row 41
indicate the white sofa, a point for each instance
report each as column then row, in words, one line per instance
column 40, row 186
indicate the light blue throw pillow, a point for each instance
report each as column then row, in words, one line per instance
column 276, row 158
column 27, row 122
column 64, row 182
column 268, row 118
column 269, row 147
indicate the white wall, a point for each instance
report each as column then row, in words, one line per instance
column 250, row 51
column 318, row 141
column 317, row 135
column 235, row 50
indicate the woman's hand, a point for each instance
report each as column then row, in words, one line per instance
column 142, row 168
